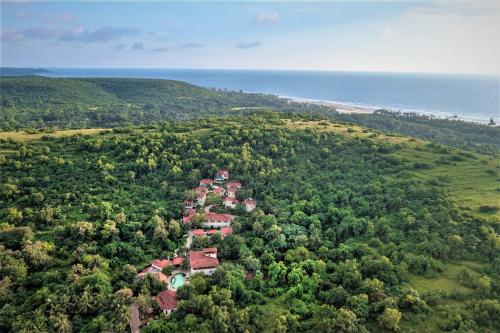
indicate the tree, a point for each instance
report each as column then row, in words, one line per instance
column 484, row 285
column 390, row 319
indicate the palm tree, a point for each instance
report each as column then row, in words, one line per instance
column 61, row 323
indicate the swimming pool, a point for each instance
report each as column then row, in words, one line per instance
column 177, row 280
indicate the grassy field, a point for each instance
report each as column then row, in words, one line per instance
column 25, row 136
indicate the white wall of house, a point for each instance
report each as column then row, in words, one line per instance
column 249, row 208
column 229, row 204
column 206, row 271
column 169, row 311
column 213, row 224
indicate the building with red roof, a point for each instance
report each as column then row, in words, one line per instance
column 230, row 202
column 231, row 192
column 201, row 189
column 226, row 231
column 221, row 175
column 233, row 184
column 223, row 231
column 198, row 232
column 250, row 204
column 219, row 191
column 204, row 261
column 201, row 198
column 189, row 216
column 215, row 220
column 206, row 182
column 190, row 204
column 167, row 301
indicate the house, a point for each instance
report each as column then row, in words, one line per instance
column 230, row 202
column 221, row 175
column 231, row 192
column 167, row 301
column 215, row 220
column 188, row 215
column 190, row 204
column 157, row 266
column 250, row 204
column 206, row 182
column 204, row 261
column 218, row 191
column 198, row 232
column 223, row 231
column 201, row 189
column 233, row 184
column 201, row 198
column 157, row 275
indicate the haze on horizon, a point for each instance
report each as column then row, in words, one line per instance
column 423, row 36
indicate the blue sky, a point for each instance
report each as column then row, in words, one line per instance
column 436, row 36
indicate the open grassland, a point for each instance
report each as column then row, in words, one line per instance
column 25, row 136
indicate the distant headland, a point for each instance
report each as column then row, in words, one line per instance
column 22, row 71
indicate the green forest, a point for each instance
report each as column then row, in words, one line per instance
column 364, row 223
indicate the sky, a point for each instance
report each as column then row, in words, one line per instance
column 461, row 36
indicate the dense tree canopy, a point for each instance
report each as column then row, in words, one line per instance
column 341, row 232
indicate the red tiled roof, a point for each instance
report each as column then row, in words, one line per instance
column 250, row 202
column 188, row 218
column 158, row 275
column 177, row 261
column 231, row 189
column 226, row 231
column 200, row 189
column 218, row 217
column 222, row 172
column 201, row 259
column 212, row 232
column 161, row 263
column 218, row 190
column 228, row 199
column 206, row 181
column 233, row 184
column 167, row 300
column 198, row 232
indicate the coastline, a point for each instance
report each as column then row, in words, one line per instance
column 339, row 107
column 358, row 109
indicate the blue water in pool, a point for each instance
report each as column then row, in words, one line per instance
column 470, row 97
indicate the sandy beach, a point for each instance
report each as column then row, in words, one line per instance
column 339, row 107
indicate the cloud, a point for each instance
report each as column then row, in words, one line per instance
column 161, row 49
column 102, row 34
column 63, row 17
column 119, row 47
column 191, row 46
column 267, row 18
column 443, row 9
column 137, row 46
column 387, row 32
column 248, row 45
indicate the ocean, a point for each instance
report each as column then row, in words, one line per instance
column 469, row 97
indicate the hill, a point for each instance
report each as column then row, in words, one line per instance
column 44, row 104
column 40, row 102
column 355, row 230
